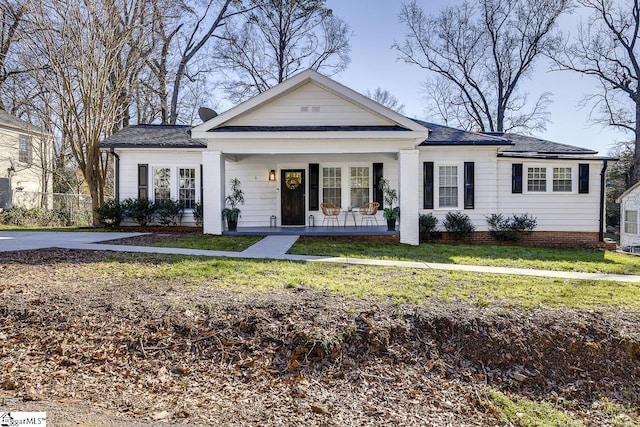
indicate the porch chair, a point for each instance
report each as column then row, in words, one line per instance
column 368, row 212
column 330, row 213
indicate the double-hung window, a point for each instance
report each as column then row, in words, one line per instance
column 359, row 183
column 631, row 222
column 161, row 184
column 25, row 149
column 187, row 187
column 332, row 186
column 562, row 180
column 448, row 186
column 536, row 179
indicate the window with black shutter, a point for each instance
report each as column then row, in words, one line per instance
column 428, row 185
column 469, row 183
column 516, row 178
column 314, row 186
column 377, row 189
column 583, row 178
column 143, row 181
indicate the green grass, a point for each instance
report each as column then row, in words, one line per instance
column 590, row 261
column 212, row 243
column 518, row 410
column 365, row 282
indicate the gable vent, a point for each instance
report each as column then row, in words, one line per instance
column 307, row 108
column 304, row 109
column 315, row 109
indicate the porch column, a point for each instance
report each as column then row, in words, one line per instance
column 213, row 175
column 409, row 176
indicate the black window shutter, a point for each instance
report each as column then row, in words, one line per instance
column 583, row 178
column 469, row 183
column 143, row 181
column 377, row 190
column 516, row 178
column 201, row 186
column 428, row 185
column 314, row 187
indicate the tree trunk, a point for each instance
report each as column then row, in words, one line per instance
column 635, row 173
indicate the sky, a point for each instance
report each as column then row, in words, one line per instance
column 375, row 27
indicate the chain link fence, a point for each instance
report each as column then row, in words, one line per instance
column 74, row 208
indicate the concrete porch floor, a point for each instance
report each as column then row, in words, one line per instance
column 313, row 231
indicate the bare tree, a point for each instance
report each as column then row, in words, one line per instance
column 84, row 49
column 278, row 38
column 480, row 54
column 386, row 98
column 607, row 47
column 12, row 16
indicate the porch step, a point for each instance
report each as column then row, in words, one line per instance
column 270, row 246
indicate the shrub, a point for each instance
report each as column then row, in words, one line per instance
column 35, row 217
column 139, row 210
column 428, row 224
column 512, row 228
column 458, row 224
column 110, row 213
column 169, row 212
column 198, row 214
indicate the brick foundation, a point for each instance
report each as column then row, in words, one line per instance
column 547, row 239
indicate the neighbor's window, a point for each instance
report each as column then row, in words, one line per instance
column 631, row 222
column 359, row 186
column 161, row 184
column 562, row 179
column 25, row 154
column 448, row 186
column 537, row 179
column 332, row 186
column 187, row 187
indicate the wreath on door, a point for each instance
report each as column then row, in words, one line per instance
column 292, row 180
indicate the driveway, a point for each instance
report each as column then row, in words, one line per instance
column 26, row 240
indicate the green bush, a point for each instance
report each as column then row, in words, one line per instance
column 139, row 210
column 511, row 228
column 110, row 213
column 458, row 224
column 198, row 214
column 428, row 224
column 169, row 212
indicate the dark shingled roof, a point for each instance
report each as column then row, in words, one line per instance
column 529, row 144
column 153, row 136
column 444, row 135
column 9, row 120
column 307, row 128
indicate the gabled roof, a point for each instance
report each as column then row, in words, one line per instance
column 629, row 190
column 396, row 121
column 153, row 136
column 11, row 121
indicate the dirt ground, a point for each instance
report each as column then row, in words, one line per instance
column 133, row 352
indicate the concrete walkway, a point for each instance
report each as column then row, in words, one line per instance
column 271, row 247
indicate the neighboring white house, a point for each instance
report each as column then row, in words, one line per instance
column 25, row 160
column 629, row 217
column 311, row 139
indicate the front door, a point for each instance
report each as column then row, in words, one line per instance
column 292, row 196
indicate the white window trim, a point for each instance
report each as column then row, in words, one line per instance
column 436, row 186
column 549, row 168
column 174, row 190
column 346, row 180
column 625, row 222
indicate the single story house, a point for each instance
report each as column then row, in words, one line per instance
column 629, row 217
column 310, row 139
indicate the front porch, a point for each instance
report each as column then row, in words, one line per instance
column 312, row 231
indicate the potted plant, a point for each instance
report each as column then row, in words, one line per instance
column 235, row 198
column 391, row 212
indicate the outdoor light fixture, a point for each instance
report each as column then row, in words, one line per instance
column 272, row 175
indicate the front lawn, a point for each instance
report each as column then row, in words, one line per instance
column 211, row 243
column 589, row 261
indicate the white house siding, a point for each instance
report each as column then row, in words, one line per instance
column 24, row 177
column 309, row 104
column 630, row 202
column 170, row 158
column 570, row 212
column 485, row 164
column 262, row 196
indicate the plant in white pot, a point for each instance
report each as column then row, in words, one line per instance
column 233, row 200
column 391, row 211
